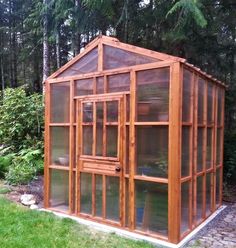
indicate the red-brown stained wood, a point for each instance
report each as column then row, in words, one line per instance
column 46, row 145
column 132, row 150
column 174, row 154
column 195, row 133
column 106, row 166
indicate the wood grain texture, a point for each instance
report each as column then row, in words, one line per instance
column 132, row 162
column 174, row 157
column 46, row 145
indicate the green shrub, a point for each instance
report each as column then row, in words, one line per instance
column 21, row 135
column 6, row 156
column 21, row 119
column 5, row 162
column 230, row 156
column 25, row 166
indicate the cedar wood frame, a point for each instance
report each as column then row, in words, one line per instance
column 174, row 179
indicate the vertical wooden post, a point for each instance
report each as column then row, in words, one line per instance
column 78, row 153
column 132, row 150
column 222, row 145
column 191, row 151
column 46, row 144
column 174, row 192
column 204, row 145
column 71, row 151
column 215, row 145
column 195, row 133
column 121, row 156
column 94, row 129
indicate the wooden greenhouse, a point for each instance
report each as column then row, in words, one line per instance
column 134, row 139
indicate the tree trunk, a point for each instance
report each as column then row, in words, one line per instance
column 58, row 48
column 14, row 57
column 45, row 44
column 126, row 20
column 2, row 77
column 77, row 35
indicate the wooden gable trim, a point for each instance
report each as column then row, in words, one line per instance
column 204, row 74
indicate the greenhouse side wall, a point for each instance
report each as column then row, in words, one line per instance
column 202, row 149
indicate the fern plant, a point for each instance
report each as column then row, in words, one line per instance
column 186, row 12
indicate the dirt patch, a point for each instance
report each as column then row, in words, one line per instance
column 229, row 193
column 35, row 188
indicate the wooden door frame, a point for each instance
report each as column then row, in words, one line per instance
column 120, row 97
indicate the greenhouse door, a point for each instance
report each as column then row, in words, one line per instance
column 99, row 152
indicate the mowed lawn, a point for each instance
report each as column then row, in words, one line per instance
column 23, row 228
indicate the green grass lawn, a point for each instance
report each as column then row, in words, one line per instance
column 23, row 228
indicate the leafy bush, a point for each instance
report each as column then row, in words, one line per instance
column 230, row 156
column 25, row 166
column 21, row 126
column 5, row 162
column 21, row 119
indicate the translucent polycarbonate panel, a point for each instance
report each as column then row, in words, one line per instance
column 112, row 137
column 151, row 207
column 208, row 192
column 100, row 85
column 99, row 127
column 199, row 199
column 201, row 93
column 113, row 198
column 59, row 145
column 187, row 87
column 209, row 148
column 116, row 58
column 127, row 149
column 185, row 168
column 118, row 83
column 84, row 87
column 73, row 193
column 86, row 193
column 59, row 189
column 217, row 185
column 218, row 147
column 99, row 140
column 220, row 107
column 185, row 208
column 152, row 151
column 60, row 102
column 87, row 63
column 98, row 196
column 112, row 111
column 209, row 103
column 87, row 112
column 153, row 95
column 200, row 135
column 87, row 140
column 127, row 108
column 127, row 208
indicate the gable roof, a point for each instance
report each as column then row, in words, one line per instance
column 102, row 40
column 113, row 42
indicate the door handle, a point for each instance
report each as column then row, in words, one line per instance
column 118, row 169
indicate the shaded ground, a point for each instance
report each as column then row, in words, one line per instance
column 221, row 232
column 35, row 187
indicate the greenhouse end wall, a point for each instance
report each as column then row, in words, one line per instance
column 137, row 145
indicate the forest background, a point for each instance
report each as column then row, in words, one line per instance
column 39, row 36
